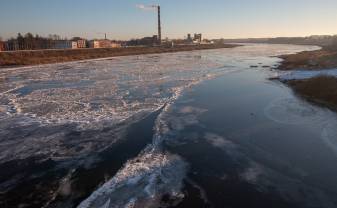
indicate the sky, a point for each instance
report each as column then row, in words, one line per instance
column 121, row 19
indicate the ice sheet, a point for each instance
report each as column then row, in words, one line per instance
column 111, row 89
column 89, row 95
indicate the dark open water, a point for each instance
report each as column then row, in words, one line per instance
column 239, row 155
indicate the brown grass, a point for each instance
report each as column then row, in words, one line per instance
column 23, row 58
column 311, row 60
column 321, row 90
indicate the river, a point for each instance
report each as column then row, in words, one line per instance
column 191, row 129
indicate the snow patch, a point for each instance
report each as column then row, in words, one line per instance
column 145, row 180
column 306, row 74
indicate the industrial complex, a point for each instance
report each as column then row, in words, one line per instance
column 30, row 42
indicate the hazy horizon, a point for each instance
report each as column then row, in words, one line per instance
column 124, row 20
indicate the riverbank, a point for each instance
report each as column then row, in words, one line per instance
column 310, row 60
column 26, row 58
column 320, row 89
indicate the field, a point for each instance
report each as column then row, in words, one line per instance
column 24, row 58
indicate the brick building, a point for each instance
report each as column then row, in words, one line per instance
column 81, row 43
column 100, row 44
column 2, row 46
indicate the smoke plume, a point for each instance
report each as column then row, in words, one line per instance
column 146, row 7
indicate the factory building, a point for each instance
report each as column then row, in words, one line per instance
column 197, row 38
column 146, row 41
column 189, row 38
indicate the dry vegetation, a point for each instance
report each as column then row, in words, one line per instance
column 322, row 90
column 23, row 58
column 312, row 60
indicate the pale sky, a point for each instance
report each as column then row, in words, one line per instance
column 121, row 19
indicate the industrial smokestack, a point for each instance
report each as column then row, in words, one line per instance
column 159, row 26
column 152, row 8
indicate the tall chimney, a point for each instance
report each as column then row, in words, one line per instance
column 159, row 26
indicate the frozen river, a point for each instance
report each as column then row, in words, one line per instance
column 189, row 129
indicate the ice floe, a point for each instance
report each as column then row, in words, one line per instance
column 110, row 89
column 142, row 182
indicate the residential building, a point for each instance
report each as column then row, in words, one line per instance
column 94, row 44
column 74, row 45
column 115, row 45
column 81, row 43
column 100, row 44
column 2, row 46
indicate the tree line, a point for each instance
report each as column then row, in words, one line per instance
column 32, row 42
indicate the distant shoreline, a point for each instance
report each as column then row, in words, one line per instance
column 30, row 58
